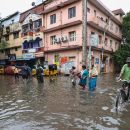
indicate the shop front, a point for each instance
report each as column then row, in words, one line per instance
column 39, row 56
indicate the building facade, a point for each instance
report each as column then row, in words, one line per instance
column 51, row 32
column 32, row 35
column 11, row 39
column 63, row 32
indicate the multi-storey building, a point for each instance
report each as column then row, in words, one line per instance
column 10, row 35
column 32, row 35
column 52, row 32
column 63, row 32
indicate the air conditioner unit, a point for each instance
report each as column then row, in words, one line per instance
column 57, row 40
column 64, row 39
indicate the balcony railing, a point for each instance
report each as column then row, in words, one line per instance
column 15, row 27
column 103, row 25
column 11, row 28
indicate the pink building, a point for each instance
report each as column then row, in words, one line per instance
column 63, row 32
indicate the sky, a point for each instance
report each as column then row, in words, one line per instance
column 8, row 7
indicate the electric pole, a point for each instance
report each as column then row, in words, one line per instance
column 84, row 32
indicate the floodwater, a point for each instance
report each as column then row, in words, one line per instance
column 58, row 106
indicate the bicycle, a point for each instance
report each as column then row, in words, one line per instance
column 73, row 81
column 123, row 94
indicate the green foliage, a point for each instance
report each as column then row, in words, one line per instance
column 126, row 28
column 3, row 44
column 124, row 51
column 121, row 55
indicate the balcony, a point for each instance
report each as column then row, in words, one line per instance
column 56, row 5
column 15, row 27
column 102, row 25
column 77, row 22
column 3, row 56
column 27, row 35
column 11, row 28
column 6, row 30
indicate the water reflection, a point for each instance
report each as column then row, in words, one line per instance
column 57, row 106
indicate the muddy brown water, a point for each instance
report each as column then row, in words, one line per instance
column 57, row 105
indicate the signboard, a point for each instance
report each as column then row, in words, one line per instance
column 12, row 57
column 28, row 56
column 94, row 40
column 32, row 50
column 39, row 54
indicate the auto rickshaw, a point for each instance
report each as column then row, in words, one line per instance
column 2, row 71
column 34, row 70
column 51, row 70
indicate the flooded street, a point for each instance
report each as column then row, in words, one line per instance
column 58, row 106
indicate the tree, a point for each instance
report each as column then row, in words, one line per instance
column 126, row 28
column 3, row 44
column 121, row 54
column 124, row 51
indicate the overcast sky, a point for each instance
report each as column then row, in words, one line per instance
column 10, row 6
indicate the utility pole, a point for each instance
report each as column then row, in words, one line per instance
column 84, row 32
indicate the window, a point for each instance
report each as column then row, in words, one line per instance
column 92, row 33
column 106, row 20
column 7, row 30
column 16, row 35
column 72, row 12
column 1, row 51
column 56, row 57
column 88, row 10
column 53, row 19
column 7, row 51
column 110, row 43
column 52, row 40
column 38, row 23
column 25, row 28
column 16, row 49
column 7, row 37
column 102, row 18
column 95, row 12
column 100, row 39
column 12, row 21
column 72, row 36
column 105, row 41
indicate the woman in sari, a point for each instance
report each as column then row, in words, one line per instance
column 84, row 76
column 93, row 73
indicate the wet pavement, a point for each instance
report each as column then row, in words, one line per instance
column 58, row 106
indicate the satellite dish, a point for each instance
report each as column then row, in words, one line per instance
column 33, row 3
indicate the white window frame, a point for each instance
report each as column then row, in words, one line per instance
column 53, row 19
column 72, row 36
column 72, row 12
column 52, row 39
